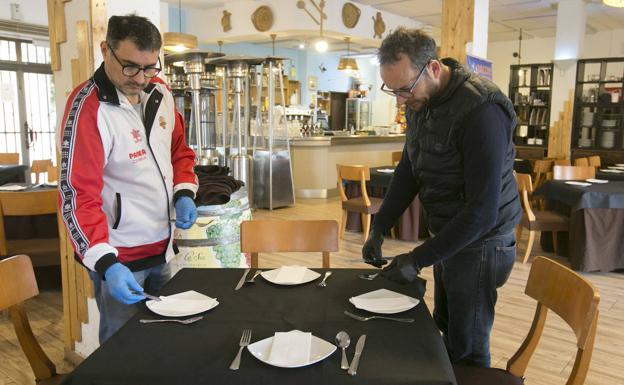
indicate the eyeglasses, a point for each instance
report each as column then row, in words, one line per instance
column 405, row 92
column 131, row 70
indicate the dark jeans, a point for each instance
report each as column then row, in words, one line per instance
column 465, row 297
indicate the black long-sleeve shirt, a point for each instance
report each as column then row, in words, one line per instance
column 484, row 148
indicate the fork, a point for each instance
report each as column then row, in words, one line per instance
column 369, row 277
column 322, row 283
column 252, row 279
column 244, row 341
column 361, row 318
column 182, row 321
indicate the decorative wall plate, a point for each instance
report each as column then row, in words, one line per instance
column 350, row 15
column 262, row 18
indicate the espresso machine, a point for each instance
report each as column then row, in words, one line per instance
column 273, row 182
column 198, row 93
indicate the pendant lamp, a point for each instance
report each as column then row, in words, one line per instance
column 178, row 41
column 346, row 62
column 614, row 3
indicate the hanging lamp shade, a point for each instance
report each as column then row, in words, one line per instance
column 347, row 63
column 614, row 3
column 179, row 42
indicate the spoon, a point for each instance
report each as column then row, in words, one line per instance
column 343, row 341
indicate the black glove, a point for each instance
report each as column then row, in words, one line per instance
column 403, row 269
column 371, row 251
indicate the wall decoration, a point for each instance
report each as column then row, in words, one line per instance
column 350, row 15
column 312, row 82
column 380, row 26
column 262, row 18
column 226, row 22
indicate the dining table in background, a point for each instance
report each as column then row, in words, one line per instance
column 409, row 227
column 617, row 176
column 596, row 229
column 12, row 173
column 201, row 353
column 523, row 166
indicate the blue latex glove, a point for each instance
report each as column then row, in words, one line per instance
column 121, row 283
column 186, row 212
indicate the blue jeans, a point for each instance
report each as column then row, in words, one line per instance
column 114, row 314
column 465, row 297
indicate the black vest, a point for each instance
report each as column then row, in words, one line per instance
column 433, row 143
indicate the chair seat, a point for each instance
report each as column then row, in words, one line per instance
column 356, row 205
column 546, row 221
column 474, row 375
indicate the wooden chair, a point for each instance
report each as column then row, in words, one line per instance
column 583, row 162
column 289, row 236
column 573, row 172
column 396, row 157
column 9, row 158
column 363, row 204
column 44, row 251
column 536, row 220
column 541, row 168
column 52, row 173
column 39, row 167
column 18, row 284
column 571, row 297
column 562, row 162
column 594, row 161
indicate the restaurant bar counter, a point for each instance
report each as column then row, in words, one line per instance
column 314, row 159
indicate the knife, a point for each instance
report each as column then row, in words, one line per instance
column 242, row 280
column 358, row 352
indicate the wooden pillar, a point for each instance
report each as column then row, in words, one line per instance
column 457, row 28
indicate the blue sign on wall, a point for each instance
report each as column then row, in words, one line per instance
column 480, row 66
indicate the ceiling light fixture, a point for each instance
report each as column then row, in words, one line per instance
column 321, row 44
column 614, row 3
column 178, row 41
column 347, row 62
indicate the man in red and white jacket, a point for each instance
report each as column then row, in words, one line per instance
column 125, row 171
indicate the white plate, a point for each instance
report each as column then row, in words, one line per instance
column 182, row 304
column 403, row 301
column 271, row 276
column 386, row 170
column 319, row 350
column 592, row 180
column 611, row 170
column 616, row 167
column 575, row 183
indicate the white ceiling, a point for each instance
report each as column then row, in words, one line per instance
column 537, row 18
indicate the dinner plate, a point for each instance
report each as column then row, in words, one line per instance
column 575, row 183
column 182, row 304
column 611, row 170
column 272, row 276
column 592, row 180
column 384, row 301
column 319, row 350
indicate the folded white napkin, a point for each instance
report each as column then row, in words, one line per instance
column 575, row 183
column 13, row 187
column 382, row 304
column 611, row 170
column 592, row 180
column 290, row 274
column 386, row 170
column 291, row 348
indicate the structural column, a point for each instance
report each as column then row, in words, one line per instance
column 464, row 28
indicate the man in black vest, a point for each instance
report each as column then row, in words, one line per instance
column 458, row 157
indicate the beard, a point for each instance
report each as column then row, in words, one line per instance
column 133, row 88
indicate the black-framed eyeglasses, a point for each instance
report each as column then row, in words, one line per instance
column 131, row 70
column 405, row 92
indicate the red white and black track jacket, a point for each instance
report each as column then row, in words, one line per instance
column 119, row 175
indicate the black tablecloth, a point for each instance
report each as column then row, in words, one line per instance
column 599, row 195
column 395, row 353
column 609, row 175
column 12, row 173
column 523, row 166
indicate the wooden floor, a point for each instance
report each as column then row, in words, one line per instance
column 551, row 364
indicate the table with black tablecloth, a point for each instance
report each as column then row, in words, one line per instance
column 167, row 353
column 523, row 166
column 15, row 173
column 596, row 230
column 610, row 175
column 409, row 227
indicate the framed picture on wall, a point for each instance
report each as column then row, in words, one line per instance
column 312, row 82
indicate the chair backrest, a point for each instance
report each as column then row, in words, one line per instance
column 289, row 236
column 39, row 167
column 581, row 162
column 17, row 284
column 52, row 173
column 574, row 299
column 25, row 203
column 573, row 172
column 9, row 158
column 525, row 188
column 594, row 161
column 355, row 173
column 541, row 168
column 562, row 162
column 396, row 157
